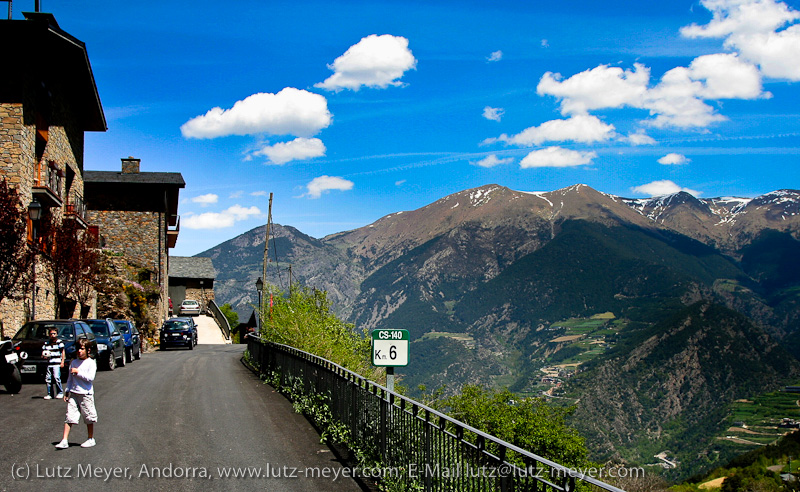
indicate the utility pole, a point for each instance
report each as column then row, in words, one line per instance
column 266, row 250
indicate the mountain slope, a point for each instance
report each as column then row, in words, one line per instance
column 486, row 280
column 664, row 392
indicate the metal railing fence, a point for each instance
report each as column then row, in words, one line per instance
column 415, row 445
column 220, row 318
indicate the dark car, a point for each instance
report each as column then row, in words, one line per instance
column 191, row 322
column 33, row 334
column 178, row 332
column 110, row 344
column 130, row 335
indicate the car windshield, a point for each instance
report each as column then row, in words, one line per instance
column 122, row 326
column 175, row 326
column 189, row 303
column 99, row 327
column 41, row 330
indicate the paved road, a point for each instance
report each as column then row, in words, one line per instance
column 188, row 414
column 208, row 331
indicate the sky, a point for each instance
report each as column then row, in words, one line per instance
column 348, row 111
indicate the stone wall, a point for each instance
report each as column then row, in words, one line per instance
column 202, row 295
column 135, row 235
column 18, row 165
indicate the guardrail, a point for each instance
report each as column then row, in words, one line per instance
column 424, row 447
column 221, row 319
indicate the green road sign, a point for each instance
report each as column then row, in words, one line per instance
column 390, row 348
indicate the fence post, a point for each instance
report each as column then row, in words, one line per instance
column 383, row 424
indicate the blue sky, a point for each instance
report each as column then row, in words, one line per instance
column 350, row 110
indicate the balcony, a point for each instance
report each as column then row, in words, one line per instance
column 48, row 184
column 172, row 234
column 76, row 210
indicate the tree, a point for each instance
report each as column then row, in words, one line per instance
column 15, row 255
column 228, row 312
column 529, row 423
column 73, row 258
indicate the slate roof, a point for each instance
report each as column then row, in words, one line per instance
column 44, row 53
column 134, row 178
column 191, row 267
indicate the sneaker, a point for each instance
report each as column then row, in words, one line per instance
column 48, row 397
column 60, row 396
column 89, row 443
column 63, row 444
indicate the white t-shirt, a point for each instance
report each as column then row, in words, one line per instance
column 82, row 383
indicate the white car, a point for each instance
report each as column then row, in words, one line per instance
column 189, row 308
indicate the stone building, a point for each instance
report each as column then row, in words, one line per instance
column 191, row 278
column 137, row 217
column 48, row 99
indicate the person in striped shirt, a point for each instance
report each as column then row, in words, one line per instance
column 54, row 350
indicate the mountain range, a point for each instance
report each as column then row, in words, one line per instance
column 563, row 291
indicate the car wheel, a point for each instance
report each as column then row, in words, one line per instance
column 138, row 354
column 129, row 354
column 13, row 383
column 111, row 362
column 121, row 361
column 191, row 345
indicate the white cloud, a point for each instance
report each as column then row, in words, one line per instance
column 674, row 159
column 640, row 138
column 725, row 76
column 294, row 150
column 323, row 184
column 677, row 100
column 206, row 199
column 219, row 220
column 236, row 194
column 289, row 112
column 400, row 182
column 660, row 188
column 675, row 103
column 598, row 88
column 259, row 193
column 751, row 27
column 545, row 43
column 556, row 157
column 494, row 114
column 375, row 61
column 495, row 56
column 492, row 161
column 579, row 128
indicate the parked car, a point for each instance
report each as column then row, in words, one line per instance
column 33, row 334
column 110, row 344
column 189, row 308
column 181, row 332
column 130, row 335
column 191, row 322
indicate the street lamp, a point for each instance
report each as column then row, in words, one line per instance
column 259, row 288
column 34, row 213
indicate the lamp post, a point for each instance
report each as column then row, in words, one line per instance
column 259, row 288
column 34, row 213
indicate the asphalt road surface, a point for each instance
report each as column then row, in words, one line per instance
column 175, row 420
